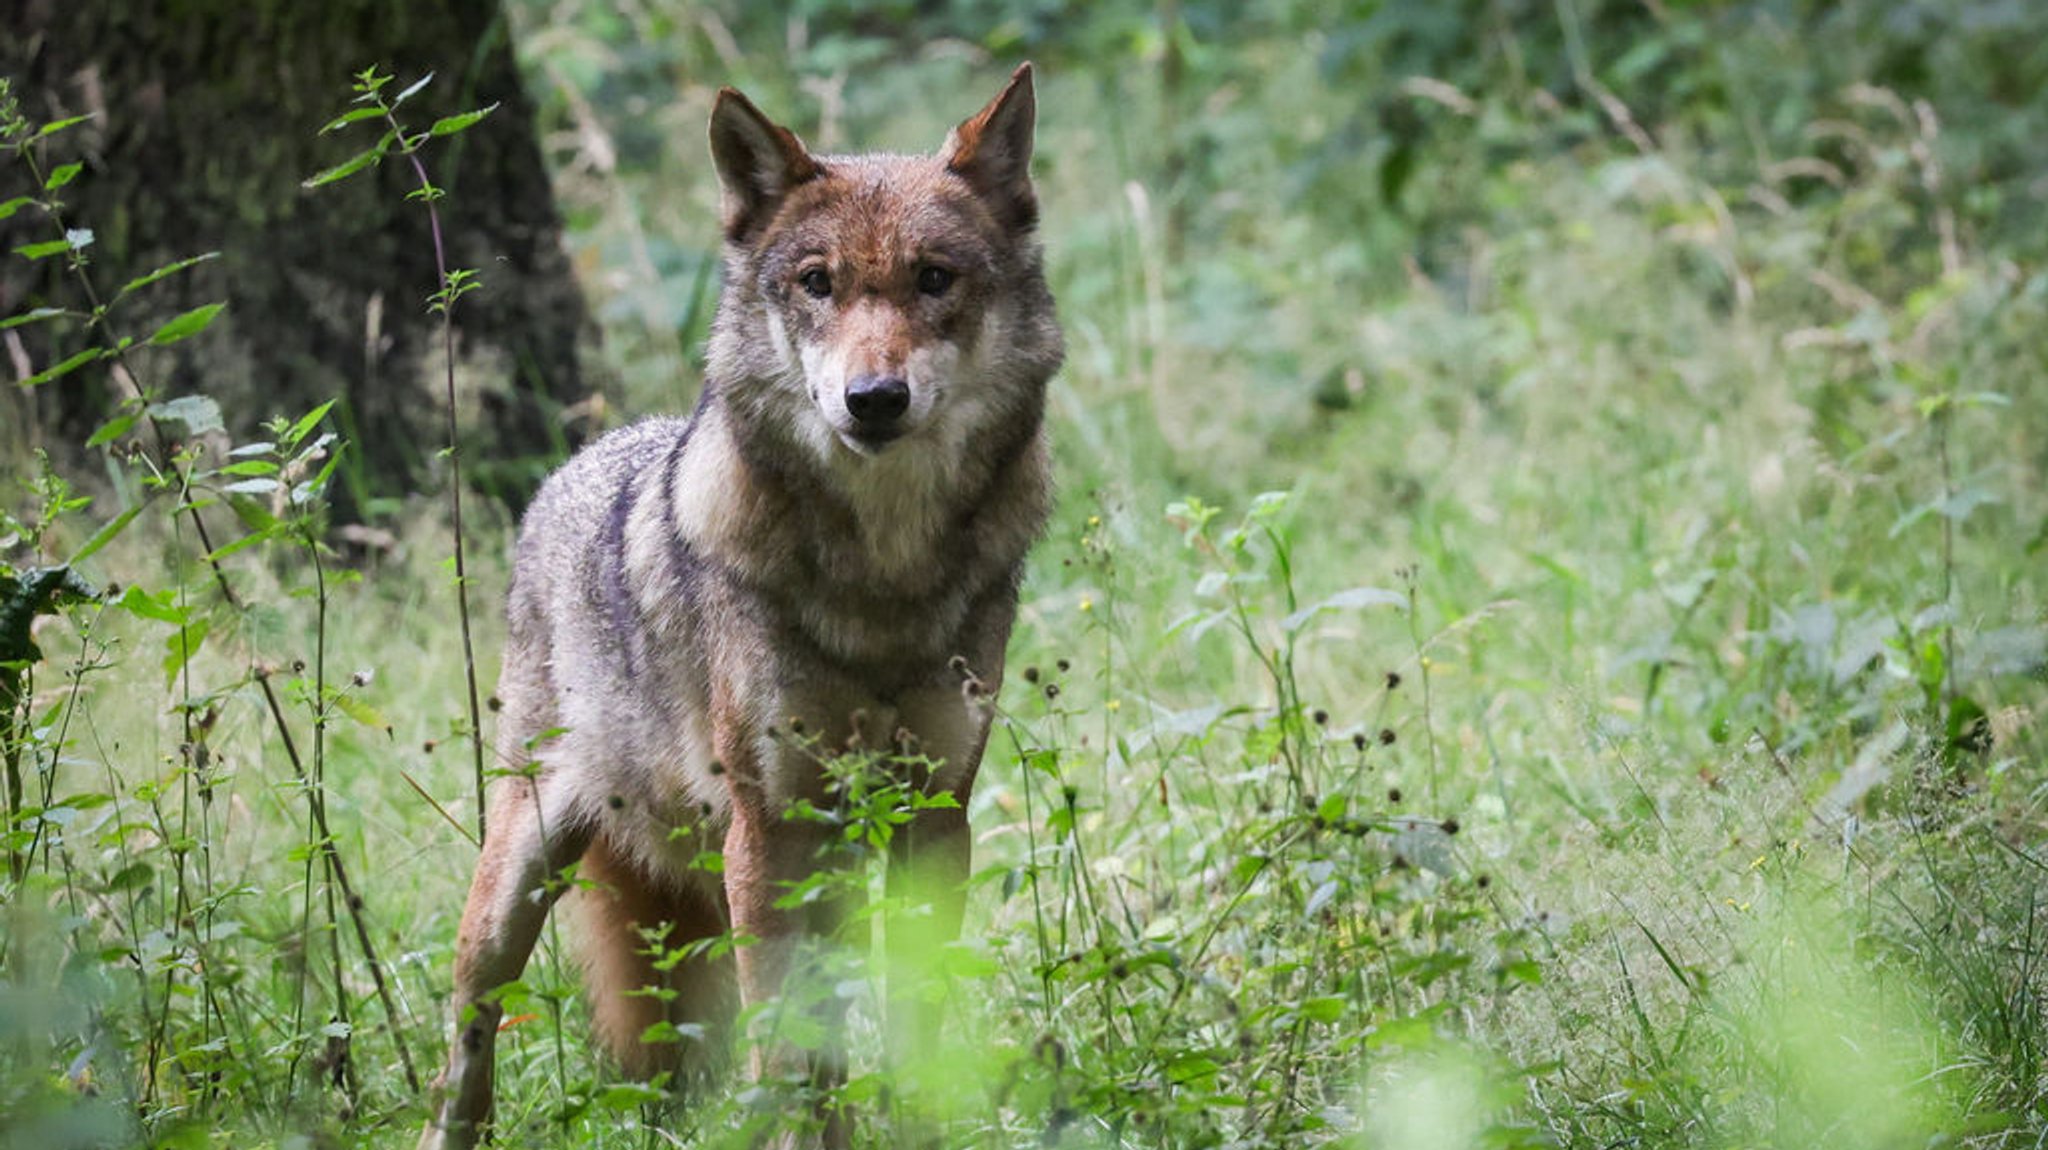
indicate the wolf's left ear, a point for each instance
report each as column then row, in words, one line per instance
column 758, row 162
column 992, row 152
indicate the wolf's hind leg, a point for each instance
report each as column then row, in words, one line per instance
column 535, row 831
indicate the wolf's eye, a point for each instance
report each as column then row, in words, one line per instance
column 816, row 281
column 934, row 280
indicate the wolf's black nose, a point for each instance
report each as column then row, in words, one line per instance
column 875, row 401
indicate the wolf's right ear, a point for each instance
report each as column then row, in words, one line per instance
column 758, row 162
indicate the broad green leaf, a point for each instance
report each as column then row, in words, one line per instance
column 261, row 485
column 162, row 606
column 187, row 325
column 9, row 207
column 197, row 414
column 250, row 467
column 61, row 175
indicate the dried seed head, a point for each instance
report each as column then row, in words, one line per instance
column 1393, row 680
column 1393, row 794
column 1321, row 717
column 1359, row 740
column 1064, row 666
column 1386, row 736
column 1031, row 674
column 1450, row 826
column 1483, row 881
column 1052, row 690
column 958, row 663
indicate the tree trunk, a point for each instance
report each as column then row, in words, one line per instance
column 206, row 115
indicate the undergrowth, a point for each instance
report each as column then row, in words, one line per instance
column 1556, row 665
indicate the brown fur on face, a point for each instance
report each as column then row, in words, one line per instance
column 686, row 593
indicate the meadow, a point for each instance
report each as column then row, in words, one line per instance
column 1542, row 643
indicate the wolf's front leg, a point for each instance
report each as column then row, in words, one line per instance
column 930, row 858
column 768, row 858
column 535, row 831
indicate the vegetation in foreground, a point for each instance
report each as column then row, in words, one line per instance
column 1543, row 644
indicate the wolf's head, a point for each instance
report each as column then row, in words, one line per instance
column 882, row 304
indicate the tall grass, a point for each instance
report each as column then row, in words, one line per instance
column 1546, row 650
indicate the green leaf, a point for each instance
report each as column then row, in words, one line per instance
column 33, row 315
column 43, row 250
column 261, row 485
column 187, row 325
column 305, row 424
column 1354, row 598
column 197, row 414
column 349, row 117
column 65, row 368
column 449, row 125
column 56, row 126
column 105, row 534
column 250, row 467
column 1327, row 1009
column 131, row 877
column 361, row 712
column 349, row 167
column 162, row 607
column 1415, row 1032
column 9, row 207
column 112, row 429
column 181, row 645
column 166, row 270
column 61, row 175
column 413, row 90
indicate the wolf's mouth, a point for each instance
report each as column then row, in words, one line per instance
column 871, row 442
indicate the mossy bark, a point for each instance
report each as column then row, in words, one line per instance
column 206, row 121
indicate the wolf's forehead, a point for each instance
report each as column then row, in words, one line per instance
column 886, row 210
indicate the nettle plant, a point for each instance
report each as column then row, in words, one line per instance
column 121, row 904
column 1308, row 933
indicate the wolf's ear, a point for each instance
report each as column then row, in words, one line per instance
column 992, row 151
column 758, row 162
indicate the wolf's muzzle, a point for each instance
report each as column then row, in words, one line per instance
column 877, row 404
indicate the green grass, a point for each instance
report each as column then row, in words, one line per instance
column 1675, row 524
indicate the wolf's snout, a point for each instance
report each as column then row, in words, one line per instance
column 876, row 402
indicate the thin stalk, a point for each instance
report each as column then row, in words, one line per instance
column 445, row 304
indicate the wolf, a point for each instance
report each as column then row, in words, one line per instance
column 825, row 555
